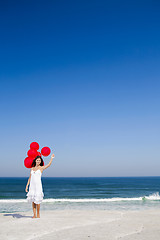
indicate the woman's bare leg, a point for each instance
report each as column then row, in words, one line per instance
column 34, row 210
column 38, row 210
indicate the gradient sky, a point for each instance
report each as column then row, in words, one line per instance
column 82, row 77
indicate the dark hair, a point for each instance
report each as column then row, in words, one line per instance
column 34, row 161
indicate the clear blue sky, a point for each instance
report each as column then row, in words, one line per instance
column 83, row 78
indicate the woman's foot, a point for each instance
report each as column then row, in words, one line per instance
column 34, row 217
column 38, row 216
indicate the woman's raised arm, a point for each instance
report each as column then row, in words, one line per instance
column 49, row 164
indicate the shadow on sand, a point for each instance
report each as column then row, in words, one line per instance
column 15, row 215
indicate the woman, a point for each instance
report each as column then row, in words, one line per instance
column 35, row 194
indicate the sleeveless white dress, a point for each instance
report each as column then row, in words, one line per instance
column 35, row 193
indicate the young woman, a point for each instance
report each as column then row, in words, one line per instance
column 35, row 194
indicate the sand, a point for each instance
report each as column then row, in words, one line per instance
column 81, row 225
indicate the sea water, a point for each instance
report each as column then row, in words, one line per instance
column 103, row 193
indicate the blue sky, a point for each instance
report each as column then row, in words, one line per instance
column 83, row 78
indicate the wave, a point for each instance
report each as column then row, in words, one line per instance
column 152, row 197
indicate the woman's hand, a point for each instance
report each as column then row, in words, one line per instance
column 26, row 189
column 52, row 156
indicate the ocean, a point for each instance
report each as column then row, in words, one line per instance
column 103, row 193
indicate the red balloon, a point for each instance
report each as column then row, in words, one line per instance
column 32, row 153
column 45, row 151
column 34, row 145
column 28, row 162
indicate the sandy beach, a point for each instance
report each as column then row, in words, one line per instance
column 81, row 224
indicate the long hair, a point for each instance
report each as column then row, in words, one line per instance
column 34, row 161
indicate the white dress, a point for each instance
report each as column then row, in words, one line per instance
column 35, row 193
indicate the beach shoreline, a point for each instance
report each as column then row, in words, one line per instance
column 81, row 224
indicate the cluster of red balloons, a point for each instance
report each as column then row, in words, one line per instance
column 33, row 153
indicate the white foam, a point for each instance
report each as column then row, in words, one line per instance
column 154, row 196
